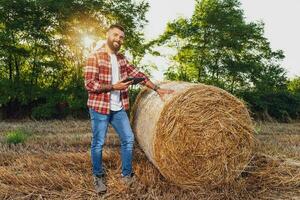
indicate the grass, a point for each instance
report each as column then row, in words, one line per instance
column 54, row 163
column 18, row 136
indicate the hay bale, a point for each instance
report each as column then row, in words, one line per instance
column 198, row 136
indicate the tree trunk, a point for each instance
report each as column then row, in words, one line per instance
column 17, row 68
column 10, row 68
column 232, row 84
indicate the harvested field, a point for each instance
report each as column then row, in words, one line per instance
column 54, row 163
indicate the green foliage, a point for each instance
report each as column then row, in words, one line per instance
column 42, row 55
column 17, row 136
column 280, row 105
column 59, row 103
column 217, row 46
column 294, row 85
column 45, row 111
column 76, row 98
column 133, row 92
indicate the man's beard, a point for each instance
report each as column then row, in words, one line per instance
column 112, row 47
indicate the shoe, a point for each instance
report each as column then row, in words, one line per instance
column 129, row 179
column 99, row 184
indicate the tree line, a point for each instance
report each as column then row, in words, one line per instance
column 217, row 46
column 42, row 55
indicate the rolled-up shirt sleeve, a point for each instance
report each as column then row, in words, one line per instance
column 91, row 77
column 132, row 71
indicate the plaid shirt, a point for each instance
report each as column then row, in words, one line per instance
column 97, row 80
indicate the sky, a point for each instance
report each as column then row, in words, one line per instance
column 281, row 18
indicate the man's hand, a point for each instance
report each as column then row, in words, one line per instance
column 121, row 85
column 163, row 92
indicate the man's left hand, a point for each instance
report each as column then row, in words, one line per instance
column 163, row 92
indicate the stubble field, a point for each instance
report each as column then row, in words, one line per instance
column 54, row 163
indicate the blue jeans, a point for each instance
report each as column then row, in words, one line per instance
column 120, row 122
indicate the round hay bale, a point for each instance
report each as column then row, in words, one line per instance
column 198, row 136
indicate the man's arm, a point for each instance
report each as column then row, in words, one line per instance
column 91, row 74
column 151, row 85
column 132, row 71
column 161, row 92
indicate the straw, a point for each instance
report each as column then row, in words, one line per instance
column 199, row 136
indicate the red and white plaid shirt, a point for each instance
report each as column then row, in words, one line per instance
column 97, row 80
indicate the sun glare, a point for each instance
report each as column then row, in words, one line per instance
column 87, row 41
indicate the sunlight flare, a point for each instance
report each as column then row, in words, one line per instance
column 87, row 41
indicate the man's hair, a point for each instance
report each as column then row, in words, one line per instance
column 118, row 26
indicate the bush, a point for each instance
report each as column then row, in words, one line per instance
column 133, row 92
column 76, row 100
column 51, row 104
column 17, row 136
column 280, row 105
column 45, row 111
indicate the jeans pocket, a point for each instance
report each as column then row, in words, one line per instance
column 94, row 115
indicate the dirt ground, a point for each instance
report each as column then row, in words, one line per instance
column 54, row 163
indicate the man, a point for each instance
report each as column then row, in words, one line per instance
column 104, row 76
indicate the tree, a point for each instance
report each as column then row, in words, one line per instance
column 41, row 54
column 217, row 46
column 294, row 85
